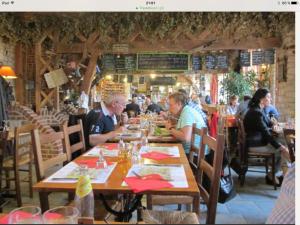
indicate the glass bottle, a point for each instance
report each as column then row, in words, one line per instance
column 101, row 163
column 84, row 196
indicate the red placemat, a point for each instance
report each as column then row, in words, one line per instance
column 111, row 146
column 156, row 155
column 148, row 182
column 91, row 163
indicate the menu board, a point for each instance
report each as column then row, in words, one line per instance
column 130, row 62
column 257, row 57
column 120, row 63
column 196, row 61
column 222, row 62
column 245, row 58
column 269, row 56
column 210, row 62
column 160, row 62
column 108, row 62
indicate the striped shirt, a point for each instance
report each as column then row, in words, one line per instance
column 284, row 210
column 199, row 110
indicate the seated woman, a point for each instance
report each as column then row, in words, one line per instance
column 231, row 109
column 178, row 106
column 258, row 132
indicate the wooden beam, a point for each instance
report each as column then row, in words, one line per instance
column 48, row 97
column 249, row 43
column 70, row 48
column 90, row 71
column 38, row 55
column 20, row 82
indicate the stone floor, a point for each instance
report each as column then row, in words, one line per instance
column 252, row 204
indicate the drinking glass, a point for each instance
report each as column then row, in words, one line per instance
column 61, row 215
column 25, row 215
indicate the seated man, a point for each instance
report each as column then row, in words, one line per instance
column 187, row 116
column 133, row 108
column 101, row 123
column 195, row 106
column 152, row 107
column 271, row 111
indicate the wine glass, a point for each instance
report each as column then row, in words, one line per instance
column 25, row 215
column 61, row 215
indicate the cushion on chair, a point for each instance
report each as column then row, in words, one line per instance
column 8, row 163
column 169, row 217
column 171, row 199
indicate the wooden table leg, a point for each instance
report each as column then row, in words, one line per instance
column 196, row 204
column 44, row 201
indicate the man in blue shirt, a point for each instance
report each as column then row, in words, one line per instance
column 195, row 106
column 270, row 111
column 101, row 123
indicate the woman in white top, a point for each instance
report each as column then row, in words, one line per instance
column 233, row 105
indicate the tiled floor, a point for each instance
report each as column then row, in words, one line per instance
column 252, row 204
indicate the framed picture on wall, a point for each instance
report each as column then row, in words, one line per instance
column 282, row 70
column 142, row 80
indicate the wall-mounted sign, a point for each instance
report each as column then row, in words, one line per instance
column 269, row 56
column 163, row 61
column 245, row 58
column 210, row 62
column 257, row 57
column 222, row 62
column 196, row 63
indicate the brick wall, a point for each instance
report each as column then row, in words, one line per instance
column 285, row 90
column 25, row 115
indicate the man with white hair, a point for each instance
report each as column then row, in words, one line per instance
column 101, row 123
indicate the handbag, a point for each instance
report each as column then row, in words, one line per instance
column 227, row 189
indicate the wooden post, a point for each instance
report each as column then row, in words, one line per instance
column 90, row 71
column 20, row 82
column 38, row 51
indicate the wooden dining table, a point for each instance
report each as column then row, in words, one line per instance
column 114, row 183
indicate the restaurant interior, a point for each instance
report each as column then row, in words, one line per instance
column 126, row 117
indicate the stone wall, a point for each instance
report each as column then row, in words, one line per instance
column 19, row 115
column 7, row 53
column 285, row 90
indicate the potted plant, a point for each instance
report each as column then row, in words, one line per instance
column 239, row 84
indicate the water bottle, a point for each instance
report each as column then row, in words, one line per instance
column 101, row 163
column 84, row 196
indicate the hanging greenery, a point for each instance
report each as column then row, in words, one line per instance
column 29, row 27
column 239, row 84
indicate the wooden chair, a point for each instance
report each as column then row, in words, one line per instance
column 3, row 147
column 169, row 217
column 193, row 158
column 245, row 155
column 289, row 136
column 213, row 172
column 74, row 147
column 41, row 165
column 21, row 157
column 195, row 150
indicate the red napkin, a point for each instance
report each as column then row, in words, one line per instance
column 148, row 182
column 4, row 219
column 91, row 163
column 156, row 155
column 53, row 216
column 111, row 146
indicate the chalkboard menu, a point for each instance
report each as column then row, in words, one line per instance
column 130, row 62
column 196, row 61
column 210, row 62
column 108, row 62
column 163, row 81
column 120, row 63
column 179, row 62
column 257, row 57
column 245, row 58
column 222, row 62
column 269, row 56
